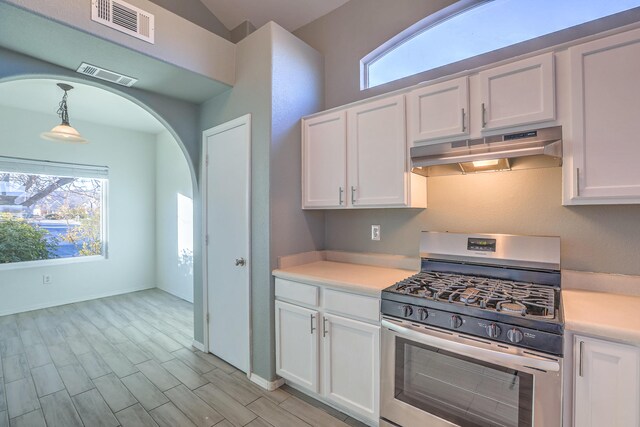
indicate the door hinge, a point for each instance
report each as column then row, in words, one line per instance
column 206, row 160
column 206, row 239
column 207, row 317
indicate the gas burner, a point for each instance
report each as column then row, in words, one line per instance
column 506, row 296
column 512, row 307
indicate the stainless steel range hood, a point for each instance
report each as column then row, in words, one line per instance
column 522, row 150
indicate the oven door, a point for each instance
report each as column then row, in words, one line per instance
column 438, row 378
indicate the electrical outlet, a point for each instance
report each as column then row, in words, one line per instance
column 375, row 232
column 46, row 279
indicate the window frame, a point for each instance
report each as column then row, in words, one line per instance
column 525, row 48
column 104, row 213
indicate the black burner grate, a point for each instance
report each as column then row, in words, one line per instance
column 511, row 297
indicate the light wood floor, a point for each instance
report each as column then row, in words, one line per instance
column 127, row 360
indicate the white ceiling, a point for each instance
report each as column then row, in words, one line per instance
column 290, row 14
column 85, row 103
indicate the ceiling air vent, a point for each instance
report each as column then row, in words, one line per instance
column 123, row 17
column 110, row 76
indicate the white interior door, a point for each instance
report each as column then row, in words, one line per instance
column 227, row 205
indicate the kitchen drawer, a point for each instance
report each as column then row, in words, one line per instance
column 297, row 292
column 352, row 305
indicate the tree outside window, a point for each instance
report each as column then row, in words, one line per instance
column 50, row 216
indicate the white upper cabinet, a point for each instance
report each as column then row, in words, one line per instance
column 605, row 105
column 438, row 111
column 324, row 161
column 377, row 153
column 297, row 345
column 607, row 384
column 517, row 94
column 359, row 158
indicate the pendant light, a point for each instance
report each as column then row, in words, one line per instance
column 64, row 132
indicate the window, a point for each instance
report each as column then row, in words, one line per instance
column 469, row 29
column 51, row 210
column 185, row 234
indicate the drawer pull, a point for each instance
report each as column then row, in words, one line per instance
column 312, row 326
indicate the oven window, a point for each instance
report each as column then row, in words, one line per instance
column 462, row 390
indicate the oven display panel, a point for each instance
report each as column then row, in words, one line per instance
column 484, row 245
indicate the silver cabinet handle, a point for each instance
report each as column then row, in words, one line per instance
column 241, row 262
column 484, row 121
column 340, row 196
column 580, row 360
column 324, row 326
column 464, row 127
column 312, row 326
column 577, row 190
column 353, row 195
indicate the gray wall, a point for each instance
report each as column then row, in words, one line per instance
column 252, row 94
column 594, row 238
column 278, row 81
column 350, row 32
column 296, row 91
column 196, row 12
column 177, row 41
column 180, row 118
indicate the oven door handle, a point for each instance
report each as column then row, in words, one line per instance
column 498, row 357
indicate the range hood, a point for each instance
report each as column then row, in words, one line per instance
column 522, row 150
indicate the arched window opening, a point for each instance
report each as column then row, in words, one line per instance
column 476, row 28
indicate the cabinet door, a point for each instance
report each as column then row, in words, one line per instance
column 605, row 102
column 518, row 94
column 438, row 111
column 377, row 153
column 297, row 345
column 607, row 384
column 324, row 161
column 351, row 358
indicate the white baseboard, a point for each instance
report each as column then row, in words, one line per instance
column 198, row 345
column 72, row 300
column 267, row 385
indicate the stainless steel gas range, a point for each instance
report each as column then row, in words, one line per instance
column 475, row 338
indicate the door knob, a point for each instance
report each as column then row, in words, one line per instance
column 240, row 262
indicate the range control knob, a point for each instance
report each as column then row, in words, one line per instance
column 423, row 314
column 407, row 310
column 515, row 335
column 456, row 321
column 493, row 330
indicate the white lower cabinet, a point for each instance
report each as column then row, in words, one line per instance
column 297, row 345
column 607, row 384
column 334, row 357
column 350, row 353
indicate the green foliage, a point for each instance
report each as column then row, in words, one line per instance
column 86, row 235
column 20, row 241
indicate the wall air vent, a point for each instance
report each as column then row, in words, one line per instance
column 110, row 76
column 124, row 17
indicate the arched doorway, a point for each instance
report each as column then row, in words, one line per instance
column 147, row 221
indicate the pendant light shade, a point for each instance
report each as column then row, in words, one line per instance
column 64, row 132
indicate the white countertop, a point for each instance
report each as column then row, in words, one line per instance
column 357, row 278
column 612, row 316
column 603, row 314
